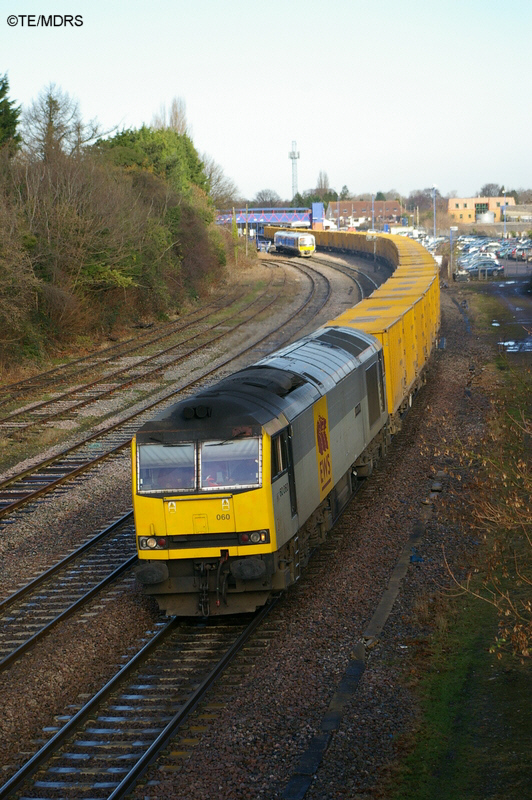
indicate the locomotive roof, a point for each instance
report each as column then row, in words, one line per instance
column 277, row 388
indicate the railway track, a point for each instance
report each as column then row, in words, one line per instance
column 29, row 485
column 126, row 376
column 147, row 336
column 106, row 745
column 364, row 282
column 29, row 614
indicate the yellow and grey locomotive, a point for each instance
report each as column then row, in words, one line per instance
column 233, row 485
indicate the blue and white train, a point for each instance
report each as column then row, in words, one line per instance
column 297, row 243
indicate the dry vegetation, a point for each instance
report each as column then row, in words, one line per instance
column 95, row 233
column 497, row 505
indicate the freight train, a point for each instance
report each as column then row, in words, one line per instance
column 234, row 486
column 294, row 242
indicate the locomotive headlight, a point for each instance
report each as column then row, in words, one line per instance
column 254, row 537
column 151, row 543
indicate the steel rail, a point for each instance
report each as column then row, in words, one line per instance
column 54, row 743
column 108, row 377
column 8, row 660
column 40, row 579
column 346, row 269
column 42, row 379
column 188, row 707
column 168, row 731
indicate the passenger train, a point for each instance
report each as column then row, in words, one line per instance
column 295, row 242
column 234, row 486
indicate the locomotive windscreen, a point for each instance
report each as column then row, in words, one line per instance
column 163, row 467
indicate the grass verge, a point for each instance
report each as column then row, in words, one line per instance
column 473, row 740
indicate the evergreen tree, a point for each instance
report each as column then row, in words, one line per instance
column 9, row 115
column 164, row 152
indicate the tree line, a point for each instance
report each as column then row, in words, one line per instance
column 417, row 199
column 97, row 228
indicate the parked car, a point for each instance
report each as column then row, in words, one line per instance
column 519, row 253
column 464, row 261
column 473, row 261
column 486, row 268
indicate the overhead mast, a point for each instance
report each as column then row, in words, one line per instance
column 294, row 155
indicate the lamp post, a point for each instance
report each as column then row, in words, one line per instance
column 452, row 228
column 372, row 211
column 434, row 206
column 504, row 212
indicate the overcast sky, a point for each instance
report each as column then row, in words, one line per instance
column 378, row 95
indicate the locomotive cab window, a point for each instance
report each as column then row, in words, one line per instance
column 374, row 393
column 282, row 462
column 279, row 454
column 235, row 463
column 166, row 467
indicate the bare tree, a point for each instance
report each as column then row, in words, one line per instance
column 322, row 187
column 53, row 124
column 424, row 200
column 175, row 119
column 490, row 190
column 222, row 190
column 267, row 198
column 525, row 195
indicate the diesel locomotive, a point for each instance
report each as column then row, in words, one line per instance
column 234, row 486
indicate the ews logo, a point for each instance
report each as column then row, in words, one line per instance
column 323, row 453
column 321, row 435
